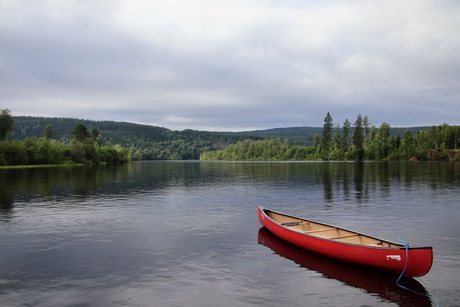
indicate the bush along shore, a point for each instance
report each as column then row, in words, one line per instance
column 85, row 148
column 47, row 152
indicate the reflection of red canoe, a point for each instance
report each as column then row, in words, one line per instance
column 373, row 281
column 348, row 245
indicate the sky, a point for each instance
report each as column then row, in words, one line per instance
column 232, row 65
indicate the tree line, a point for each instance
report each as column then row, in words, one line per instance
column 359, row 141
column 84, row 148
column 144, row 142
column 39, row 140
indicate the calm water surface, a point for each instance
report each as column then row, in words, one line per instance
column 186, row 233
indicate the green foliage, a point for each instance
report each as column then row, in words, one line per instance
column 370, row 143
column 266, row 150
column 80, row 132
column 48, row 132
column 345, row 135
column 41, row 151
column 12, row 153
column 407, row 148
column 143, row 142
column 379, row 145
column 293, row 135
column 316, row 140
column 6, row 124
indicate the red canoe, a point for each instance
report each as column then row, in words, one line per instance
column 348, row 245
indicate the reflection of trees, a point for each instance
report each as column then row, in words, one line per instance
column 336, row 178
column 45, row 183
column 339, row 180
column 327, row 181
column 6, row 202
column 56, row 183
column 358, row 179
column 383, row 176
column 6, row 194
column 346, row 184
column 360, row 182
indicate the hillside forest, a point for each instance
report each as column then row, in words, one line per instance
column 84, row 148
column 41, row 140
column 38, row 140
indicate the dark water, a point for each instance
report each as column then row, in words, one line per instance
column 186, row 233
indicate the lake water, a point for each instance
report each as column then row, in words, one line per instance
column 174, row 233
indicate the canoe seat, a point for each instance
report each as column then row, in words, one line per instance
column 290, row 224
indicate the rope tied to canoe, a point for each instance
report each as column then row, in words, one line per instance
column 406, row 246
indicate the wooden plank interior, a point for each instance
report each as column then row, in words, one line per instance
column 328, row 232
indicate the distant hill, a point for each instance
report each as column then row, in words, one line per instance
column 26, row 126
column 304, row 135
column 294, row 135
column 151, row 142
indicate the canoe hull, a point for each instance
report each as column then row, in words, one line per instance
column 419, row 259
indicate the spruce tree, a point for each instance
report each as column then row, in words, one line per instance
column 80, row 132
column 346, row 134
column 327, row 133
column 358, row 138
column 6, row 124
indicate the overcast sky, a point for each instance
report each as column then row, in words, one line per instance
column 230, row 65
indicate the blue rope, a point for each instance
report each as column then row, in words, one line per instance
column 406, row 245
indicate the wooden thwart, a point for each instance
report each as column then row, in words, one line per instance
column 319, row 230
column 344, row 237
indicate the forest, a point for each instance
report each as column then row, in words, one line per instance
column 84, row 148
column 360, row 142
column 144, row 142
column 42, row 140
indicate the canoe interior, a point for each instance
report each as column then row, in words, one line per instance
column 328, row 232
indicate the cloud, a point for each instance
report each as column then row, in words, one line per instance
column 232, row 65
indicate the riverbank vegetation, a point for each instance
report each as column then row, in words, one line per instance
column 84, row 148
column 44, row 141
column 47, row 152
column 145, row 142
column 360, row 142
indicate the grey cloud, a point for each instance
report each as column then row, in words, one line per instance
column 287, row 65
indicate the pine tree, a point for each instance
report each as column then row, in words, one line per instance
column 6, row 124
column 366, row 124
column 80, row 132
column 48, row 131
column 346, row 134
column 358, row 138
column 327, row 133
